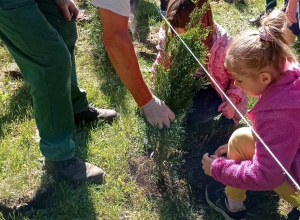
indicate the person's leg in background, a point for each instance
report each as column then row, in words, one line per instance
column 164, row 6
column 68, row 31
column 270, row 5
column 45, row 63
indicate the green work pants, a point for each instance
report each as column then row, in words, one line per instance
column 42, row 43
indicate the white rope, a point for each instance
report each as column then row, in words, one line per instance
column 216, row 84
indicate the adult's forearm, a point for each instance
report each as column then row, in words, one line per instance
column 292, row 6
column 122, row 55
column 291, row 12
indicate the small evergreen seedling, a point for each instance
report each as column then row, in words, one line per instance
column 176, row 85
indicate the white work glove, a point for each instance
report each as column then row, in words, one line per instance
column 157, row 113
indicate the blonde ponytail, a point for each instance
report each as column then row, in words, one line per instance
column 257, row 49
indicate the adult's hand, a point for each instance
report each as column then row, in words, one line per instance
column 291, row 12
column 291, row 18
column 157, row 113
column 68, row 8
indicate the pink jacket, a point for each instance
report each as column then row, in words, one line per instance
column 276, row 118
column 216, row 60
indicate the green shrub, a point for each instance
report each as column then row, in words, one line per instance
column 176, row 86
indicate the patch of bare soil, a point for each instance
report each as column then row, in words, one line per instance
column 146, row 48
column 141, row 168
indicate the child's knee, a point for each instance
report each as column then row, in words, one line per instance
column 241, row 135
column 241, row 144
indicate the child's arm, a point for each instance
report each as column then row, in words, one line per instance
column 238, row 96
column 291, row 12
column 262, row 172
column 227, row 109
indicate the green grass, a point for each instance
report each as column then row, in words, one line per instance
column 118, row 148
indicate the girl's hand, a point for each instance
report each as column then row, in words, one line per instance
column 221, row 150
column 206, row 163
column 227, row 109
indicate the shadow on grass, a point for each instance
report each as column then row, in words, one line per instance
column 18, row 107
column 57, row 198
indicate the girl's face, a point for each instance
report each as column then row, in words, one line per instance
column 259, row 80
column 253, row 86
column 250, row 85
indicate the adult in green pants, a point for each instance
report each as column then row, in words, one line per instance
column 41, row 37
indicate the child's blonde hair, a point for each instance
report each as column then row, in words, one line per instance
column 258, row 49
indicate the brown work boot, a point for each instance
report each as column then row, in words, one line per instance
column 75, row 170
column 94, row 114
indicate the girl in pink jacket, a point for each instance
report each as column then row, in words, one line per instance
column 210, row 102
column 264, row 66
